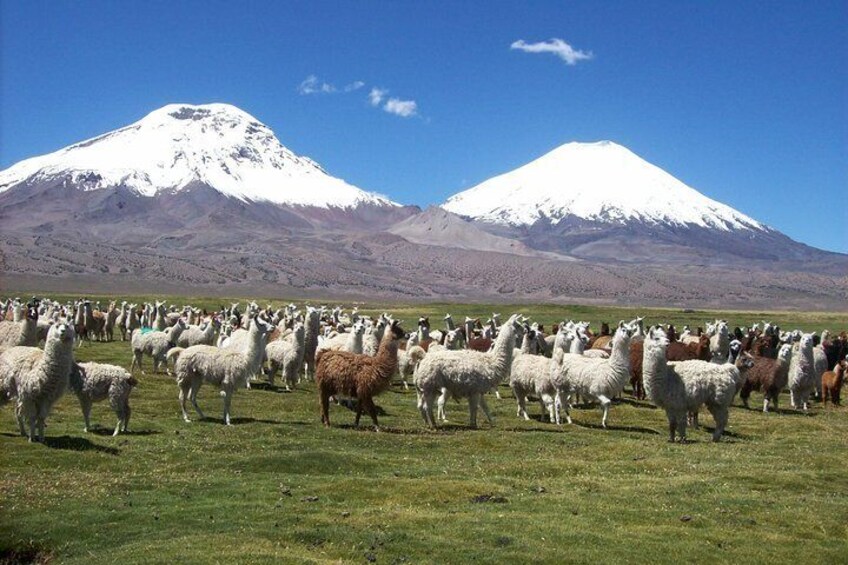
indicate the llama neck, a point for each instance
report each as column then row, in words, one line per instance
column 386, row 359
column 654, row 371
column 502, row 353
column 254, row 350
column 450, row 325
column 58, row 357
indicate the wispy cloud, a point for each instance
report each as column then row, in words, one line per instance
column 402, row 108
column 312, row 85
column 356, row 85
column 556, row 46
column 376, row 95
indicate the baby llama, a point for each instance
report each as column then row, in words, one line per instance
column 93, row 382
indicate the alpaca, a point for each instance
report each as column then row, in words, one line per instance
column 720, row 343
column 20, row 333
column 156, row 344
column 313, row 328
column 46, row 379
column 681, row 387
column 357, row 375
column 768, row 375
column 110, row 319
column 227, row 368
column 200, row 334
column 93, row 382
column 819, row 367
column 832, row 383
column 465, row 374
column 408, row 360
column 526, row 377
column 287, row 355
column 802, row 373
column 599, row 379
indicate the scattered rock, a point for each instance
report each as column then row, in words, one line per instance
column 370, row 557
column 686, row 518
column 481, row 498
column 345, row 514
column 539, row 489
column 309, row 499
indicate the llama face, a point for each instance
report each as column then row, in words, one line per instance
column 61, row 331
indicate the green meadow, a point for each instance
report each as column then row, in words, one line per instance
column 277, row 487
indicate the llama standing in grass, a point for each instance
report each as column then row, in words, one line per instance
column 802, row 378
column 227, row 368
column 465, row 374
column 155, row 344
column 313, row 330
column 199, row 335
column 357, row 375
column 288, row 356
column 41, row 377
column 93, row 382
column 596, row 379
column 682, row 387
column 768, row 375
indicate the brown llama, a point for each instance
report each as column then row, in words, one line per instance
column 832, row 383
column 341, row 373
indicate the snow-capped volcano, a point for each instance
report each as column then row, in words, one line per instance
column 180, row 145
column 599, row 182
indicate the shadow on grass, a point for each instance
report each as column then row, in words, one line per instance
column 104, row 431
column 635, row 403
column 636, row 429
column 239, row 421
column 78, row 444
column 780, row 411
column 351, row 404
column 726, row 433
column 28, row 553
column 268, row 387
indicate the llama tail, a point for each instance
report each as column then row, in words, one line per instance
column 133, row 381
column 174, row 354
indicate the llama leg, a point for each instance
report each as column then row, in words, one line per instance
column 765, row 405
column 126, row 420
column 605, row 406
column 522, row 402
column 184, row 392
column 228, row 398
column 20, row 418
column 720, row 416
column 421, row 408
column 372, row 411
column 360, row 405
column 485, row 406
column 325, row 407
column 472, row 409
column 86, row 412
column 681, row 427
column 672, row 427
column 195, row 386
column 441, row 405
column 429, row 400
column 272, row 374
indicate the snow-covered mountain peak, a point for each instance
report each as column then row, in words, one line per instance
column 601, row 181
column 180, row 144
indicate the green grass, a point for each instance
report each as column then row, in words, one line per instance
column 774, row 490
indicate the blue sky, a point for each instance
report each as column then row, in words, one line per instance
column 745, row 101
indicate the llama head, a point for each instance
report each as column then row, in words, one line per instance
column 261, row 325
column 785, row 353
column 656, row 337
column 745, row 360
column 61, row 331
column 396, row 330
column 806, row 341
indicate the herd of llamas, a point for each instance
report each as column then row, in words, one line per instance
column 352, row 357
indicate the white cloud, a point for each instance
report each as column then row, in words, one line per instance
column 556, row 46
column 312, row 85
column 376, row 95
column 356, row 85
column 402, row 108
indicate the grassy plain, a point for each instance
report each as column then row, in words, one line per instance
column 278, row 487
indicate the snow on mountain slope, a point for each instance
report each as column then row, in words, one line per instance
column 600, row 181
column 180, row 144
